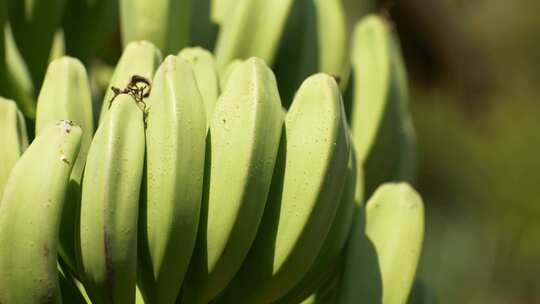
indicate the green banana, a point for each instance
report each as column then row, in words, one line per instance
column 328, row 261
column 315, row 40
column 13, row 138
column 65, row 94
column 58, row 48
column 384, row 247
column 88, row 25
column 30, row 216
column 380, row 120
column 175, row 152
column 165, row 23
column 139, row 58
column 204, row 67
column 109, row 205
column 244, row 138
column 264, row 20
column 34, row 24
column 332, row 38
column 19, row 82
column 226, row 73
column 220, row 9
column 302, row 203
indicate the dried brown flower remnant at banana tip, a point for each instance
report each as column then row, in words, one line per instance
column 65, row 125
column 138, row 87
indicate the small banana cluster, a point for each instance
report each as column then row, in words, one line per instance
column 200, row 184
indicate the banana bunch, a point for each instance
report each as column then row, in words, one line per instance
column 201, row 181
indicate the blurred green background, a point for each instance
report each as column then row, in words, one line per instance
column 474, row 69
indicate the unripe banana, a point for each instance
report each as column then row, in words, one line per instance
column 252, row 28
column 34, row 24
column 220, row 9
column 19, row 82
column 58, row 48
column 165, row 23
column 315, row 40
column 384, row 247
column 139, row 58
column 65, row 94
column 13, row 138
column 30, row 216
column 244, row 138
column 226, row 73
column 204, row 67
column 302, row 205
column 110, row 204
column 381, row 125
column 175, row 152
column 329, row 259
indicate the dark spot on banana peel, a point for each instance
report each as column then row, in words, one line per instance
column 109, row 265
column 50, row 294
column 337, row 78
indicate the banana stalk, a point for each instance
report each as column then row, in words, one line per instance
column 165, row 23
column 110, row 205
column 13, row 138
column 302, row 205
column 65, row 94
column 139, row 58
column 30, row 216
column 244, row 138
column 175, row 152
column 204, row 67
column 381, row 125
column 384, row 247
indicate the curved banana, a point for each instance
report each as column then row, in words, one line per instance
column 204, row 67
column 19, row 82
column 264, row 21
column 13, row 138
column 315, row 40
column 329, row 259
column 384, row 248
column 381, row 125
column 139, row 58
column 220, row 9
column 175, row 152
column 34, row 24
column 302, row 203
column 227, row 72
column 110, row 205
column 165, row 23
column 58, row 48
column 30, row 216
column 65, row 94
column 244, row 138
